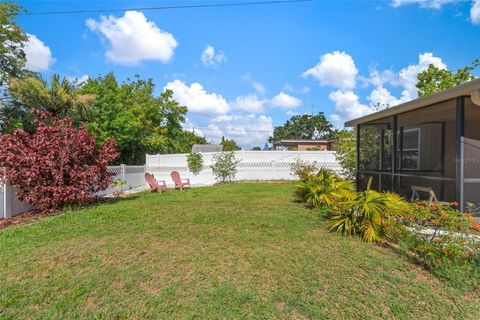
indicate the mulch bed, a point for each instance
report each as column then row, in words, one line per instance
column 27, row 217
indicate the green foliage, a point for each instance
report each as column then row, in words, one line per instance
column 435, row 79
column 324, row 188
column 370, row 214
column 256, row 149
column 229, row 145
column 225, row 166
column 59, row 97
column 303, row 170
column 444, row 238
column 12, row 41
column 347, row 153
column 195, row 162
column 139, row 121
column 304, row 127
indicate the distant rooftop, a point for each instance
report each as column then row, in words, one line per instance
column 207, row 148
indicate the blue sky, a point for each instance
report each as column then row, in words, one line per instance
column 260, row 64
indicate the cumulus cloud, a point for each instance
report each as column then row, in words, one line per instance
column 475, row 12
column 197, row 99
column 336, row 69
column 248, row 130
column 285, row 101
column 347, row 107
column 132, row 39
column 249, row 103
column 408, row 75
column 39, row 56
column 211, row 58
column 381, row 98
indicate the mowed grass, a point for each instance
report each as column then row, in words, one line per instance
column 226, row 252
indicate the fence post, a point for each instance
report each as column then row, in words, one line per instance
column 122, row 170
column 273, row 169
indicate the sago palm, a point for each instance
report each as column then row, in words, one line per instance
column 325, row 188
column 369, row 213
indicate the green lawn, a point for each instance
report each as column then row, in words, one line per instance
column 235, row 251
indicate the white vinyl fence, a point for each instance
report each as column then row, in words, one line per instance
column 254, row 165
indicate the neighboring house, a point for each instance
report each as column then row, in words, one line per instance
column 305, row 145
column 207, row 148
column 432, row 142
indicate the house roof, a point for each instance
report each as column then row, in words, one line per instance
column 297, row 141
column 207, row 148
column 464, row 89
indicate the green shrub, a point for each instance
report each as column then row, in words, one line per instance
column 324, row 188
column 195, row 162
column 225, row 166
column 441, row 233
column 372, row 215
column 303, row 170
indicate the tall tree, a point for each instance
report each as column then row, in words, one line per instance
column 304, row 127
column 435, row 79
column 59, row 97
column 229, row 145
column 138, row 120
column 12, row 40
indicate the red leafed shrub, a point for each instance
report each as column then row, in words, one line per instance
column 57, row 164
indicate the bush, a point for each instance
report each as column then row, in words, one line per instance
column 303, row 170
column 324, row 188
column 56, row 164
column 225, row 166
column 347, row 153
column 371, row 214
column 195, row 162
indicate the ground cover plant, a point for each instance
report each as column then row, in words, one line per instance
column 228, row 252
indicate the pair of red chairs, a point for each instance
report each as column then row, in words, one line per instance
column 156, row 186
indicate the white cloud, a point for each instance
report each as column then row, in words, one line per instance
column 432, row 4
column 247, row 130
column 79, row 80
column 475, row 12
column 212, row 58
column 408, row 75
column 249, row 103
column 381, row 97
column 347, row 107
column 285, row 101
column 336, row 69
column 132, row 39
column 260, row 88
column 39, row 56
column 197, row 99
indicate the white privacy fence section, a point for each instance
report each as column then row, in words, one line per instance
column 254, row 165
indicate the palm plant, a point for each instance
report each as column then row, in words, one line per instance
column 323, row 189
column 60, row 97
column 369, row 213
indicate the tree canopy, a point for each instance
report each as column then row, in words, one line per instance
column 12, row 40
column 304, row 127
column 435, row 79
column 59, row 97
column 138, row 120
column 229, row 144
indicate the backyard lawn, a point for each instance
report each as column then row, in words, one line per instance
column 232, row 251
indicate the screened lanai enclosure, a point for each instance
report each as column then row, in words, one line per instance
column 431, row 142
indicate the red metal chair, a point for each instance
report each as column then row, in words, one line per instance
column 179, row 182
column 155, row 185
